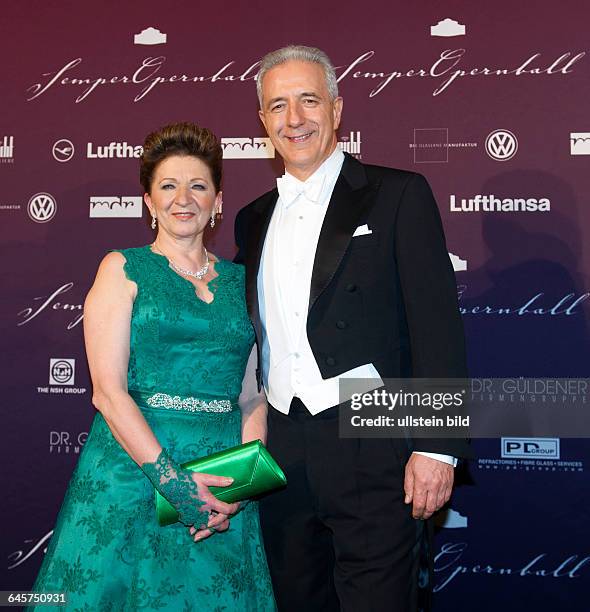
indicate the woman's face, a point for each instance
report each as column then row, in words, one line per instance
column 182, row 196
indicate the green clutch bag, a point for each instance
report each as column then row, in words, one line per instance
column 250, row 465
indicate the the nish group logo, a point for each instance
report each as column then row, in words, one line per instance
column 62, row 375
column 62, row 371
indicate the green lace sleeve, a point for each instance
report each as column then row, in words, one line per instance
column 178, row 487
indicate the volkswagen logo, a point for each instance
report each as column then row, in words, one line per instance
column 42, row 207
column 501, row 145
column 63, row 150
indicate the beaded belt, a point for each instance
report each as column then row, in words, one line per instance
column 183, row 404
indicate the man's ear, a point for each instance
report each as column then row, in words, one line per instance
column 337, row 110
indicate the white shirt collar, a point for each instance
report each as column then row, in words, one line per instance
column 316, row 185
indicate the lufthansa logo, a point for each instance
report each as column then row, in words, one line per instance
column 63, row 150
column 501, row 145
column 42, row 207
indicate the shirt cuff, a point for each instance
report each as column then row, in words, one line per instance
column 444, row 458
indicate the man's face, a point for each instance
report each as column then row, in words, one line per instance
column 300, row 117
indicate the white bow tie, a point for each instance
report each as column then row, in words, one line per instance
column 291, row 188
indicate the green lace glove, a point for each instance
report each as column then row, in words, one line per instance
column 178, row 487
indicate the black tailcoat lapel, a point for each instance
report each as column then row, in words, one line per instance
column 352, row 195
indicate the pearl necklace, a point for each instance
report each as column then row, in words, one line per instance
column 199, row 274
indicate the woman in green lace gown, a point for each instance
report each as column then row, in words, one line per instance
column 168, row 341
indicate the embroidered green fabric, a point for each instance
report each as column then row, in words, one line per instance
column 178, row 487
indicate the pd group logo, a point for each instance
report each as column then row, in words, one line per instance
column 530, row 448
column 62, row 371
column 532, row 455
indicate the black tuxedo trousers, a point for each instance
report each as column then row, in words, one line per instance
column 339, row 537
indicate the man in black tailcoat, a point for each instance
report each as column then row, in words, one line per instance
column 347, row 274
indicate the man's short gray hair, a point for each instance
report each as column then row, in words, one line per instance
column 298, row 53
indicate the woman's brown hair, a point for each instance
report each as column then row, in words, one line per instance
column 181, row 139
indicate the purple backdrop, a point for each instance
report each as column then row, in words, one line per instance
column 490, row 105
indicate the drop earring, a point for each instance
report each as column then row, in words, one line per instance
column 154, row 222
column 214, row 213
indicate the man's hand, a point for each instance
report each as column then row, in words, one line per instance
column 428, row 484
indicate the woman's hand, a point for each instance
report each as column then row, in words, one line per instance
column 219, row 512
column 211, row 503
column 217, row 523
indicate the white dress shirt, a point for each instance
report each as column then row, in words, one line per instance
column 289, row 368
